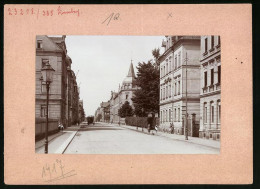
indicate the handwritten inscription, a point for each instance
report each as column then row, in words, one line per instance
column 169, row 15
column 59, row 11
column 112, row 16
column 56, row 171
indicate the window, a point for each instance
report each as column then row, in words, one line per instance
column 43, row 87
column 212, row 112
column 161, row 117
column 166, row 91
column 167, row 68
column 212, row 76
column 126, row 96
column 179, row 115
column 39, row 44
column 170, row 91
column 166, row 115
column 179, row 87
column 43, row 110
column 219, row 74
column 170, row 118
column 170, row 65
column 212, row 42
column 175, row 88
column 206, row 45
column 175, row 67
column 163, row 70
column 205, row 79
column 205, row 113
column 179, row 59
column 175, row 116
column 219, row 111
column 161, row 94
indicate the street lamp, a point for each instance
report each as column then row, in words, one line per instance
column 47, row 76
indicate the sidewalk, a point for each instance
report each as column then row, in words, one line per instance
column 194, row 140
column 58, row 142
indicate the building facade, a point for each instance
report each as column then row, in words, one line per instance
column 63, row 93
column 210, row 101
column 117, row 99
column 125, row 93
column 181, row 56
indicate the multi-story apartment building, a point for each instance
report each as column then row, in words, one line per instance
column 210, row 101
column 182, row 53
column 63, row 94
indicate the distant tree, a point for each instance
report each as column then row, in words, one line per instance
column 146, row 98
column 125, row 110
column 156, row 55
column 99, row 117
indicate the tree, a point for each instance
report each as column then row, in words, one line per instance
column 99, row 116
column 146, row 98
column 125, row 110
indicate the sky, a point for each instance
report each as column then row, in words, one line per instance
column 102, row 62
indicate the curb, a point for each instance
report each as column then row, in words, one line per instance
column 70, row 141
column 159, row 134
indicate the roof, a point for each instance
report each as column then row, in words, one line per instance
column 131, row 72
column 131, row 75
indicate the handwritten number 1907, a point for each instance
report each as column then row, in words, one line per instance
column 109, row 18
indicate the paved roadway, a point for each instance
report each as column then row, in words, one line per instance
column 113, row 139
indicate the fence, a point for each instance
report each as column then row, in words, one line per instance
column 40, row 125
column 140, row 121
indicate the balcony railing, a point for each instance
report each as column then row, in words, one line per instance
column 205, row 89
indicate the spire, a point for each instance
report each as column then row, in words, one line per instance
column 131, row 72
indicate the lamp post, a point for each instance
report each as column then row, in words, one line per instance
column 186, row 99
column 47, row 76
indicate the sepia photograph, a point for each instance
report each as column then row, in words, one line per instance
column 128, row 94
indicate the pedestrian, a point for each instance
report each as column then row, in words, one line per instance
column 60, row 126
column 156, row 128
column 171, row 128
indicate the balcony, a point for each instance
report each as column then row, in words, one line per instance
column 218, row 86
column 212, row 49
column 211, row 88
column 205, row 53
column 205, row 89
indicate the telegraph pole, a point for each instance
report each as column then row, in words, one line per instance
column 186, row 116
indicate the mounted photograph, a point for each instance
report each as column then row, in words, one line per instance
column 127, row 94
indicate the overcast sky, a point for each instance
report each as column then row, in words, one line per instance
column 102, row 62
